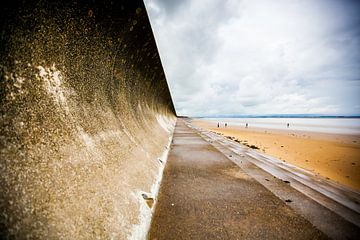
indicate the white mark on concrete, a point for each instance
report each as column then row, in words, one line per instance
column 18, row 82
column 90, row 142
column 86, row 139
column 130, row 136
column 53, row 82
column 163, row 158
column 139, row 231
column 164, row 122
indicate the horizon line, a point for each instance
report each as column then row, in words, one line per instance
column 278, row 116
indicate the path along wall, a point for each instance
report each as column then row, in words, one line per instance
column 86, row 114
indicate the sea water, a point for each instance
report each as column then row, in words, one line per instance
column 322, row 125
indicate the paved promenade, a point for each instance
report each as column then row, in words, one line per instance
column 204, row 195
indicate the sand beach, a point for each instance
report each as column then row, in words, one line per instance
column 332, row 156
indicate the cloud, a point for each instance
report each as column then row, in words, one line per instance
column 259, row 57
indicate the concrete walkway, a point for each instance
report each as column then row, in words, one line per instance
column 204, row 195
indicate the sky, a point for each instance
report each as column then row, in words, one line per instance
column 228, row 57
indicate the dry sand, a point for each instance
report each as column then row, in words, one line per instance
column 333, row 156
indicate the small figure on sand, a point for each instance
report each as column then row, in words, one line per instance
column 218, row 125
column 288, row 125
column 246, row 125
column 225, row 124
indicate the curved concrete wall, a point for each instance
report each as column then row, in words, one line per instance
column 86, row 116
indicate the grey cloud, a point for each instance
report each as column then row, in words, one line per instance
column 257, row 57
column 170, row 6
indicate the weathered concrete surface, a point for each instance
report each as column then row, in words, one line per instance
column 85, row 115
column 204, row 195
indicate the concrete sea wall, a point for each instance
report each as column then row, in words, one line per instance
column 86, row 116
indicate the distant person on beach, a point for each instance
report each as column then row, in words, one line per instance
column 218, row 125
column 247, row 125
column 288, row 125
column 225, row 124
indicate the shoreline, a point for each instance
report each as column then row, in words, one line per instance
column 332, row 156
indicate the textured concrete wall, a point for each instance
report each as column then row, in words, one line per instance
column 85, row 116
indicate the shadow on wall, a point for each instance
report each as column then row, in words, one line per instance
column 85, row 115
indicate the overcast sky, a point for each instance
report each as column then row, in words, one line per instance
column 259, row 56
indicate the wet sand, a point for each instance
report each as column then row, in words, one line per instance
column 332, row 156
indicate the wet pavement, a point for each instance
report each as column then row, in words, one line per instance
column 205, row 195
